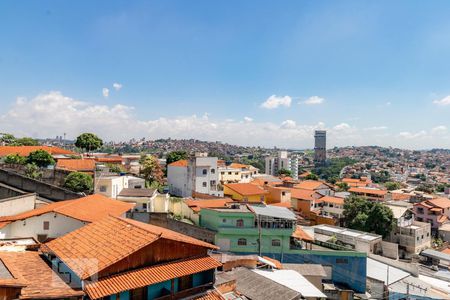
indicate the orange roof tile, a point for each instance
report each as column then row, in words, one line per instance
column 179, row 163
column 442, row 219
column 246, row 189
column 210, row 295
column 440, row 202
column 38, row 279
column 368, row 191
column 446, row 251
column 87, row 209
column 76, row 164
column 299, row 233
column 116, row 159
column 26, row 150
column 400, row 196
column 149, row 275
column 197, row 205
column 277, row 263
column 239, row 166
column 302, row 194
column 108, row 241
column 282, row 204
column 335, row 200
column 310, row 184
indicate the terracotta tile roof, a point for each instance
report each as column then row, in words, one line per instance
column 179, row 163
column 277, row 263
column 310, row 184
column 282, row 204
column 335, row 200
column 38, row 279
column 239, row 166
column 210, row 295
column 197, row 205
column 440, row 202
column 442, row 219
column 446, row 251
column 26, row 150
column 299, row 233
column 109, row 241
column 76, row 164
column 116, row 159
column 302, row 194
column 87, row 209
column 368, row 191
column 246, row 189
column 400, row 196
column 149, row 275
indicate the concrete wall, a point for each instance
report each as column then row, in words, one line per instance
column 178, row 181
column 407, row 267
column 17, row 205
column 43, row 189
column 390, row 249
column 162, row 220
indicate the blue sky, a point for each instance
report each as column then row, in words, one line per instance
column 375, row 72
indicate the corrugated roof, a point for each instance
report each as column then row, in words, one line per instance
column 149, row 275
column 76, row 164
column 26, row 150
column 109, row 241
column 273, row 211
column 87, row 209
column 38, row 279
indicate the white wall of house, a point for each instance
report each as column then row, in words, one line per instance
column 16, row 205
column 178, row 181
column 111, row 186
column 333, row 209
column 157, row 203
column 32, row 227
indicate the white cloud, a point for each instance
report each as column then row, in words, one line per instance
column 117, row 86
column 248, row 119
column 314, row 100
column 342, row 127
column 275, row 101
column 288, row 124
column 105, row 92
column 376, row 128
column 413, row 135
column 443, row 102
column 441, row 129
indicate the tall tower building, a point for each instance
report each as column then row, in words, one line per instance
column 320, row 147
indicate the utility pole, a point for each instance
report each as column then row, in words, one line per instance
column 408, row 284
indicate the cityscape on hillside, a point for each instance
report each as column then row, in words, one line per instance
column 234, row 150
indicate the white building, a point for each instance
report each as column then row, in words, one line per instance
column 111, row 186
column 282, row 161
column 59, row 218
column 199, row 174
column 237, row 173
column 145, row 200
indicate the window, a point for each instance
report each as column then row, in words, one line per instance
column 213, row 171
column 46, row 225
column 229, row 173
column 276, row 243
column 240, row 223
column 224, row 220
column 283, row 193
column 341, row 260
column 205, row 184
column 140, row 293
column 242, row 242
column 236, row 173
column 205, row 171
column 261, row 198
column 144, row 206
column 103, row 188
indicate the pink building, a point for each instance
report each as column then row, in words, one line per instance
column 435, row 211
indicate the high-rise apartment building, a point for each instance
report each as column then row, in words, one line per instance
column 320, row 147
column 282, row 161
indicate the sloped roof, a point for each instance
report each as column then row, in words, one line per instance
column 299, row 233
column 330, row 199
column 179, row 163
column 26, row 150
column 273, row 211
column 98, row 245
column 310, row 184
column 440, row 202
column 197, row 205
column 368, row 191
column 302, row 194
column 37, row 278
column 132, row 192
column 246, row 189
column 87, row 209
column 149, row 275
column 76, row 164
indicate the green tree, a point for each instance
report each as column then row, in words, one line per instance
column 7, row 139
column 285, row 172
column 26, row 141
column 32, row 171
column 343, row 186
column 88, row 142
column 40, row 158
column 151, row 169
column 361, row 214
column 79, row 182
column 312, row 176
column 426, row 188
column 392, row 185
column 176, row 156
column 15, row 159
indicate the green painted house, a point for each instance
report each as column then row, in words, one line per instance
column 240, row 227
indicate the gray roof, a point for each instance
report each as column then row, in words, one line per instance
column 255, row 286
column 435, row 254
column 131, row 192
column 273, row 211
column 307, row 269
column 4, row 272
